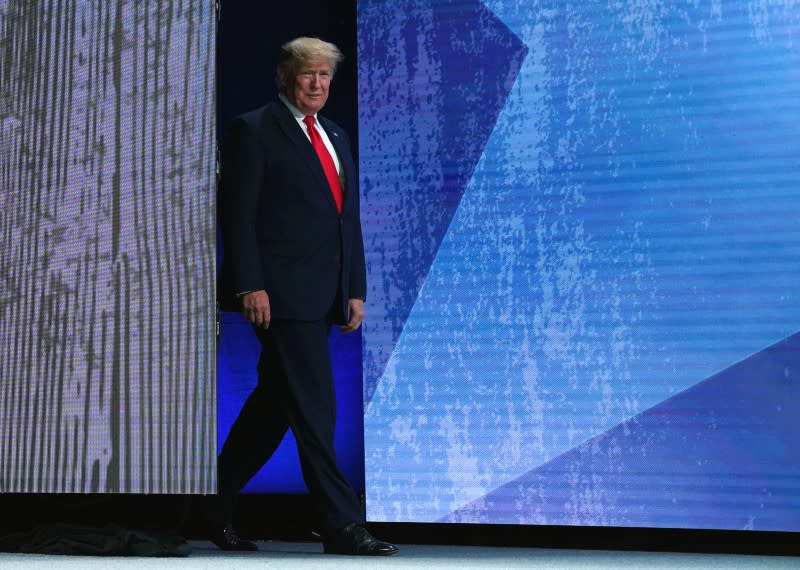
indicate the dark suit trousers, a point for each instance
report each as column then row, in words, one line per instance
column 295, row 390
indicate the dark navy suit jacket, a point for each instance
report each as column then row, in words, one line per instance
column 281, row 231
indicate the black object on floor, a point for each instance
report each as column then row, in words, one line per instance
column 108, row 540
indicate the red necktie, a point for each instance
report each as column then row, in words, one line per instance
column 327, row 162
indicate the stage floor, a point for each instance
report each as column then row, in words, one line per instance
column 300, row 555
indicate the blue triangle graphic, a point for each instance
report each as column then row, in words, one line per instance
column 421, row 135
column 720, row 455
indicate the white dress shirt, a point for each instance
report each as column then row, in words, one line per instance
column 323, row 135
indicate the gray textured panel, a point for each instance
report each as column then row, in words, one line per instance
column 107, row 244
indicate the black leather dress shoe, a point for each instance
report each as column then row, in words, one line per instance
column 354, row 539
column 227, row 539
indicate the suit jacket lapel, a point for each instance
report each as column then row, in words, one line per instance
column 306, row 152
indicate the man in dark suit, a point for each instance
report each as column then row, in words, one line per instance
column 294, row 260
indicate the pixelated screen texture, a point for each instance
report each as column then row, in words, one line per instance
column 581, row 225
column 107, row 198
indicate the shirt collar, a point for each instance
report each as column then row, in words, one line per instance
column 295, row 111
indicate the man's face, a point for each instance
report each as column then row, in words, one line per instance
column 308, row 89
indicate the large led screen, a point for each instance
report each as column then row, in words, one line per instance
column 107, row 208
column 582, row 223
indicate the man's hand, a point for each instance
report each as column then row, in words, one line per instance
column 255, row 308
column 356, row 316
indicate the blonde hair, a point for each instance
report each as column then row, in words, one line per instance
column 302, row 50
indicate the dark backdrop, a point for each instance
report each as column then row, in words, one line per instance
column 249, row 40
